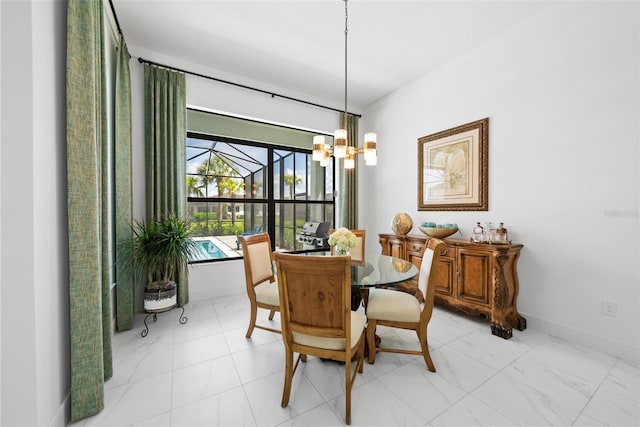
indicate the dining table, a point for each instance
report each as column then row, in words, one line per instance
column 379, row 270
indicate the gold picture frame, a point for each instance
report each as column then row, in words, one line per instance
column 453, row 169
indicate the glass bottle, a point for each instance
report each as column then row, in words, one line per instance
column 502, row 233
column 490, row 233
column 478, row 233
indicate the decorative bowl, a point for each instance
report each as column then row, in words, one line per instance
column 438, row 232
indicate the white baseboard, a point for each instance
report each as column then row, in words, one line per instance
column 586, row 339
column 62, row 416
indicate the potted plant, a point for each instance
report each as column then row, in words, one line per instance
column 159, row 249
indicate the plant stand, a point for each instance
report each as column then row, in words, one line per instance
column 182, row 319
column 158, row 301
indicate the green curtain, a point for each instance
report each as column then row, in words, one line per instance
column 123, row 186
column 165, row 150
column 348, row 179
column 89, row 282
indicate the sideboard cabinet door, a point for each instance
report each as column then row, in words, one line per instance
column 447, row 276
column 474, row 274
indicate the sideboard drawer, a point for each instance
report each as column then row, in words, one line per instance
column 414, row 247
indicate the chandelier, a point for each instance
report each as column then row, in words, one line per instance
column 341, row 149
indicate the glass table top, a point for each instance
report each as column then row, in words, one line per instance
column 382, row 270
column 379, row 270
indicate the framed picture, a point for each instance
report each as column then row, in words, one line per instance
column 453, row 172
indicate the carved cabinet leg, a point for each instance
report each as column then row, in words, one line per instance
column 500, row 324
column 504, row 315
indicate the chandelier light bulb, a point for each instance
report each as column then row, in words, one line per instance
column 350, row 158
column 324, row 162
column 318, row 148
column 372, row 160
column 370, row 148
column 340, row 144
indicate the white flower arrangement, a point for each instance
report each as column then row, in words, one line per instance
column 342, row 239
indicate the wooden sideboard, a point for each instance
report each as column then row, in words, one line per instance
column 475, row 278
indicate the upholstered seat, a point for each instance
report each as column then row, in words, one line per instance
column 358, row 323
column 267, row 293
column 393, row 306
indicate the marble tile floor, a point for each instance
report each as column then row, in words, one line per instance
column 205, row 372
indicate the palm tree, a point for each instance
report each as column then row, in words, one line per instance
column 232, row 186
column 215, row 170
column 193, row 187
column 291, row 180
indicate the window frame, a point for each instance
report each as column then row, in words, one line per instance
column 270, row 201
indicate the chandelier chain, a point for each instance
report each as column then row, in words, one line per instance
column 346, row 32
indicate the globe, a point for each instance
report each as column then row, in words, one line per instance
column 401, row 224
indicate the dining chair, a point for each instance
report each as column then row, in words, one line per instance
column 262, row 286
column 357, row 252
column 387, row 307
column 316, row 316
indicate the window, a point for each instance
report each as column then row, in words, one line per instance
column 241, row 187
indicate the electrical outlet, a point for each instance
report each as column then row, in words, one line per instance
column 609, row 308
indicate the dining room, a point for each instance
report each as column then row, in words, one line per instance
column 558, row 82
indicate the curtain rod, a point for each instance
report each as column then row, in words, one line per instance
column 115, row 18
column 273, row 94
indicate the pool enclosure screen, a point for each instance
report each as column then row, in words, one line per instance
column 239, row 187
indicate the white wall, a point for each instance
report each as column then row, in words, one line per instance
column 562, row 96
column 35, row 327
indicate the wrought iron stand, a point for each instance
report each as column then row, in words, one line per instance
column 182, row 319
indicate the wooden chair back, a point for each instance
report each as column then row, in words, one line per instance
column 315, row 296
column 258, row 261
column 258, row 270
column 316, row 316
column 427, row 277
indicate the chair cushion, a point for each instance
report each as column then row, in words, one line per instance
column 396, row 306
column 267, row 293
column 358, row 322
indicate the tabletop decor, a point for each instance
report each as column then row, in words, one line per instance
column 343, row 239
column 401, row 224
column 453, row 172
column 438, row 231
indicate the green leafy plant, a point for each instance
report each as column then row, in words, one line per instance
column 160, row 249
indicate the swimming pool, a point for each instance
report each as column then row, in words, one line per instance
column 207, row 249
